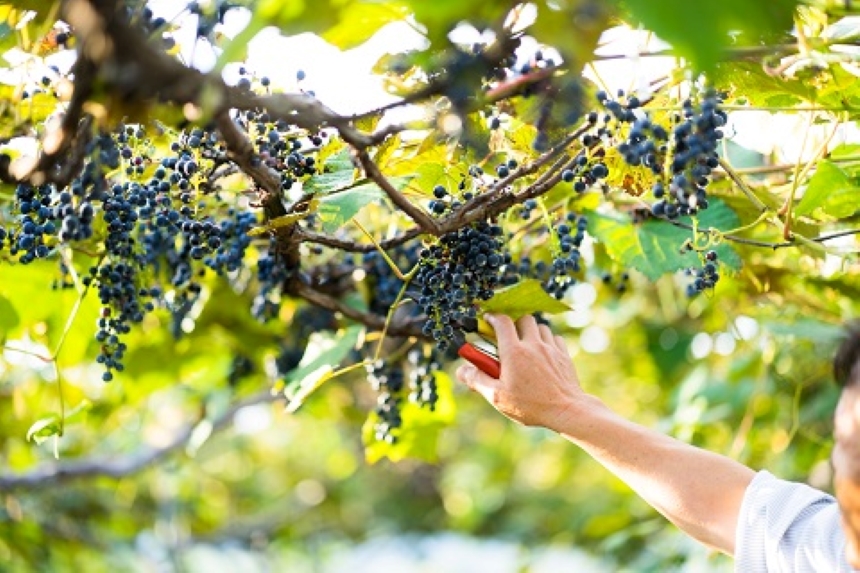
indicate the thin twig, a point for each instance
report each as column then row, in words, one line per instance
column 742, row 185
column 771, row 245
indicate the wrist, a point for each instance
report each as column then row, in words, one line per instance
column 576, row 415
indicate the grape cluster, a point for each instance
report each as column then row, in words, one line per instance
column 280, row 150
column 392, row 377
column 388, row 380
column 234, row 241
column 584, row 173
column 566, row 263
column 123, row 304
column 463, row 268
column 681, row 159
column 209, row 15
column 272, row 272
column 37, row 222
column 422, row 378
column 705, row 277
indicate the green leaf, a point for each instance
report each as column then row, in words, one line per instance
column 338, row 174
column 339, row 161
column 831, row 190
column 336, row 209
column 717, row 24
column 418, row 437
column 654, row 248
column 285, row 220
column 78, row 411
column 523, row 298
column 325, row 351
column 750, row 84
column 44, row 428
column 326, row 156
column 9, row 317
column 386, row 151
column 361, row 20
column 845, row 150
column 564, row 25
column 440, row 16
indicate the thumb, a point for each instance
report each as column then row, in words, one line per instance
column 481, row 383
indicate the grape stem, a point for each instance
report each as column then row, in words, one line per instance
column 756, row 243
column 742, row 185
column 394, row 306
column 391, row 264
column 800, row 174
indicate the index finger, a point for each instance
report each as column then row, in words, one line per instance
column 506, row 331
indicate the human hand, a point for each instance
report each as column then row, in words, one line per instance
column 538, row 383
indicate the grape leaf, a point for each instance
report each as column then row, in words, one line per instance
column 285, row 220
column 845, row 150
column 750, row 83
column 328, row 182
column 523, row 298
column 654, row 248
column 325, row 351
column 9, row 317
column 361, row 20
column 831, row 190
column 338, row 174
column 718, row 23
column 338, row 208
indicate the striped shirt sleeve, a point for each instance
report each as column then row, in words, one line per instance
column 787, row 527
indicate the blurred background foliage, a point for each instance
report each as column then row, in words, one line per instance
column 743, row 371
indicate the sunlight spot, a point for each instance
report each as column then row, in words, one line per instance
column 746, row 328
column 310, row 492
column 724, row 344
column 252, row 419
column 583, row 295
column 594, row 340
column 701, row 345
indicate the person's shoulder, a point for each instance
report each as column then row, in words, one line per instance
column 788, row 526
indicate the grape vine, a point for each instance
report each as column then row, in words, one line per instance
column 256, row 192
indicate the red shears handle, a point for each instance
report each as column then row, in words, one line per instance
column 487, row 363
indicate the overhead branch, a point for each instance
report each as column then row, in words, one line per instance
column 116, row 467
column 371, row 320
column 350, row 246
column 416, row 213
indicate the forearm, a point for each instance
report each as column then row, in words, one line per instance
column 697, row 490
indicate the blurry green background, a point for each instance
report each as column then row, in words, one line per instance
column 747, row 376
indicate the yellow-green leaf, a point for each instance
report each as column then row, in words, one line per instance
column 523, row 298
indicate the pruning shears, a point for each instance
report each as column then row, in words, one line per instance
column 476, row 343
